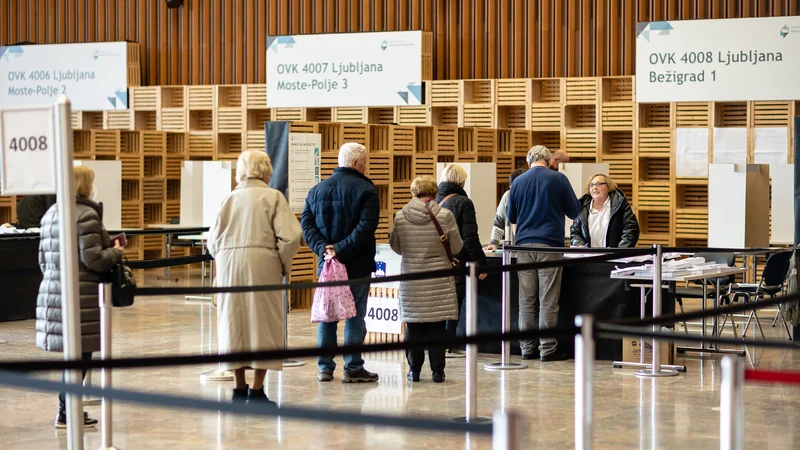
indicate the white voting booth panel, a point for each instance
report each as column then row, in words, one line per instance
column 782, row 203
column 204, row 185
column 738, row 205
column 578, row 174
column 480, row 188
column 108, row 183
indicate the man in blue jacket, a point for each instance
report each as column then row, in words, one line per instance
column 538, row 201
column 339, row 221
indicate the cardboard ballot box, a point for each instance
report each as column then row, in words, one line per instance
column 632, row 349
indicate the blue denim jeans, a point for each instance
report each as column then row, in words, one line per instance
column 355, row 330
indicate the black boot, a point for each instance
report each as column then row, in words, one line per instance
column 240, row 395
column 259, row 397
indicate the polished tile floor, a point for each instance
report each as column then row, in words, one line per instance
column 678, row 412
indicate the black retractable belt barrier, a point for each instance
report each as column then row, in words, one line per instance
column 168, row 262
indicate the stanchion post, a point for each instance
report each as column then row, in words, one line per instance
column 472, row 350
column 656, row 370
column 286, row 306
column 584, row 396
column 508, row 431
column 68, row 262
column 731, row 424
column 106, row 304
column 505, row 352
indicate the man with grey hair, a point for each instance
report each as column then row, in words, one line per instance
column 538, row 202
column 339, row 221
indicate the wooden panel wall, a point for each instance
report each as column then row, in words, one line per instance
column 223, row 41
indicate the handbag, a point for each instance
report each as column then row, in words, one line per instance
column 444, row 239
column 333, row 303
column 122, row 278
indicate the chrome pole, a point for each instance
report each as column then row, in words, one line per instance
column 68, row 262
column 508, row 431
column 106, row 304
column 584, row 397
column 656, row 370
column 731, row 424
column 505, row 351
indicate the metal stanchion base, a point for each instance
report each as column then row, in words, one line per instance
column 623, row 364
column 197, row 298
column 474, row 420
column 506, row 366
column 293, row 363
column 711, row 350
column 108, row 448
column 2, row 341
column 649, row 373
column 217, row 375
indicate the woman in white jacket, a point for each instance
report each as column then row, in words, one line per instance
column 253, row 241
column 425, row 305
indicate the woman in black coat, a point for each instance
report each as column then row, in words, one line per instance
column 606, row 218
column 453, row 197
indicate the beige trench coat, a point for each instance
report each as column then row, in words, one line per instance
column 253, row 241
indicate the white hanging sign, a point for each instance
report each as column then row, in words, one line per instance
column 27, row 159
column 383, row 315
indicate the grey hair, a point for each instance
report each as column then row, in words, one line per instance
column 253, row 164
column 538, row 153
column 351, row 152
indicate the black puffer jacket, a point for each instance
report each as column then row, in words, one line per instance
column 464, row 211
column 96, row 257
column 31, row 209
column 623, row 228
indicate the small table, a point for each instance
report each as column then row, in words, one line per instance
column 704, row 275
column 202, row 240
column 171, row 229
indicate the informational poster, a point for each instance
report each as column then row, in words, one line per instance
column 345, row 69
column 304, row 160
column 770, row 145
column 691, row 152
column 718, row 60
column 730, row 145
column 383, row 315
column 93, row 75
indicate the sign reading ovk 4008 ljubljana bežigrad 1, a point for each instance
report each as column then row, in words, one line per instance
column 345, row 69
column 718, row 60
column 93, row 75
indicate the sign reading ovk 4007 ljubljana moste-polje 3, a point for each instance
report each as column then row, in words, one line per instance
column 718, row 60
column 93, row 75
column 345, row 69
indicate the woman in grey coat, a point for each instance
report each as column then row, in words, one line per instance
column 425, row 305
column 97, row 256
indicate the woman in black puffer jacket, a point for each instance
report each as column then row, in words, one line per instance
column 606, row 218
column 453, row 197
column 97, row 256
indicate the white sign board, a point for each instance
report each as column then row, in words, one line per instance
column 304, row 160
column 718, row 60
column 383, row 315
column 345, row 69
column 27, row 160
column 93, row 75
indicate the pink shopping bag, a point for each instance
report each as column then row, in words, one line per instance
column 332, row 304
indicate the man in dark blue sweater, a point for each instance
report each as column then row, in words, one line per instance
column 538, row 202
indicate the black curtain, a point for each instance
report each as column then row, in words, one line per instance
column 276, row 144
column 796, row 181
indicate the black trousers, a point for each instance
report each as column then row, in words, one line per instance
column 452, row 325
column 422, row 333
column 62, row 398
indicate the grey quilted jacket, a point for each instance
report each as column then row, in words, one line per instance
column 97, row 257
column 415, row 238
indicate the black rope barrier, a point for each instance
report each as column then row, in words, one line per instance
column 168, row 262
column 587, row 250
column 566, row 262
column 266, row 355
column 740, row 251
column 172, row 231
column 293, row 412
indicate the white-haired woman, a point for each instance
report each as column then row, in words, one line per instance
column 253, row 241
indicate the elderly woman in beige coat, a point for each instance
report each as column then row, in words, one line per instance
column 425, row 305
column 253, row 241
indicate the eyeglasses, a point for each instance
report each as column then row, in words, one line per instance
column 591, row 185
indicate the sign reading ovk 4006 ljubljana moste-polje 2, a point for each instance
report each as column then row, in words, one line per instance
column 718, row 60
column 93, row 75
column 345, row 69
column 27, row 152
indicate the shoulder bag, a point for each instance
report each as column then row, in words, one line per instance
column 444, row 239
column 121, row 278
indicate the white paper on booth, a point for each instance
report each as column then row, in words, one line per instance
column 691, row 152
column 730, row 145
column 770, row 145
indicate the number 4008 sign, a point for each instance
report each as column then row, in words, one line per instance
column 27, row 158
column 382, row 315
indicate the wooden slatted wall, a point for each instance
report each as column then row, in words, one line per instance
column 223, row 41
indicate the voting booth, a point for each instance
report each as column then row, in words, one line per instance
column 782, row 204
column 485, row 200
column 738, row 205
column 204, row 185
column 108, row 183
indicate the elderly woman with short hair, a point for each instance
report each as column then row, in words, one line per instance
column 253, row 241
column 426, row 305
column 606, row 218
